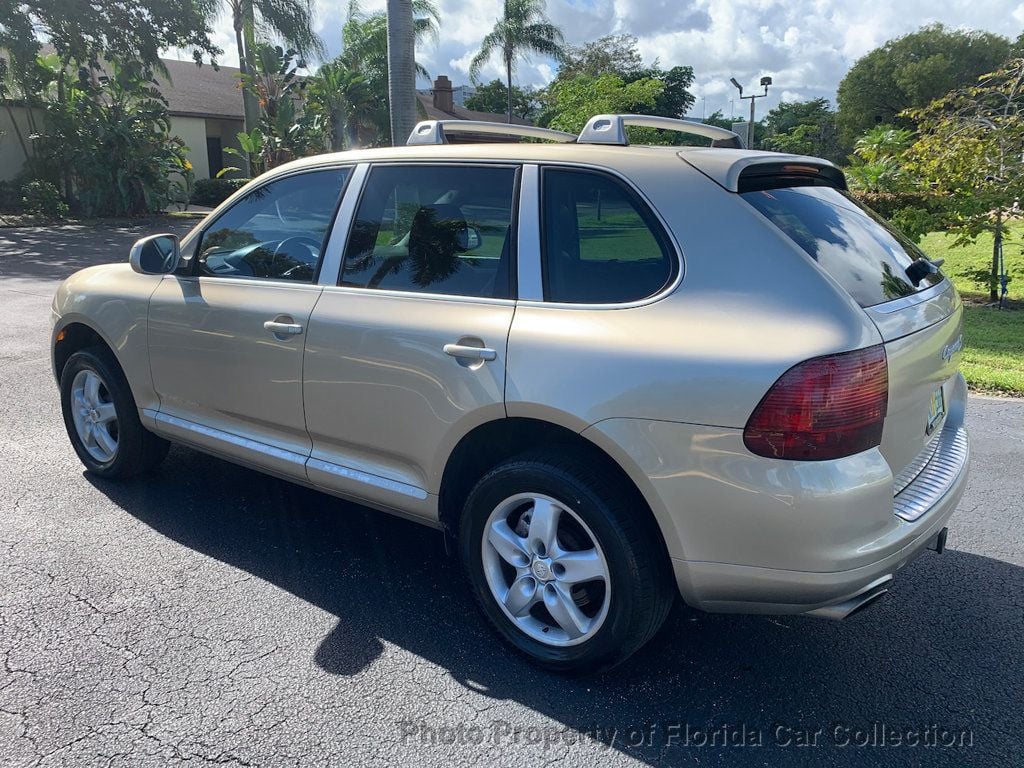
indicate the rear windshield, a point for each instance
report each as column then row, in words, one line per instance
column 857, row 248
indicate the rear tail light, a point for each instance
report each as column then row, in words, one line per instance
column 824, row 408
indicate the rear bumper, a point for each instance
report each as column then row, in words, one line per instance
column 748, row 534
column 727, row 588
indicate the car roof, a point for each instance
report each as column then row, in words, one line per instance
column 721, row 165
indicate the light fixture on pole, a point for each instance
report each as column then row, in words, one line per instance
column 765, row 81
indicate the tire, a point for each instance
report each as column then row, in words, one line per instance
column 604, row 534
column 102, row 420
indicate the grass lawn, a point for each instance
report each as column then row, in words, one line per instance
column 993, row 339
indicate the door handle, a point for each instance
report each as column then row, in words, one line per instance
column 282, row 329
column 470, row 353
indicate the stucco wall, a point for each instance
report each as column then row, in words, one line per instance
column 192, row 131
column 12, row 158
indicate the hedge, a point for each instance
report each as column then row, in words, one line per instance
column 212, row 192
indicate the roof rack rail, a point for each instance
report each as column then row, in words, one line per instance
column 611, row 129
column 434, row 131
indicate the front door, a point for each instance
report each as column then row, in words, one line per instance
column 226, row 339
column 407, row 354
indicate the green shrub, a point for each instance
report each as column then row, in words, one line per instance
column 42, row 199
column 212, row 192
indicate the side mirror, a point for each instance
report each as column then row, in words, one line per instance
column 469, row 238
column 155, row 255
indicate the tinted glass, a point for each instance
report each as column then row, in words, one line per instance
column 600, row 244
column 276, row 231
column 858, row 249
column 434, row 229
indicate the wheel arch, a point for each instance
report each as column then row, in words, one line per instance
column 71, row 337
column 492, row 442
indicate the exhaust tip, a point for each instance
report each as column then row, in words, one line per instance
column 855, row 604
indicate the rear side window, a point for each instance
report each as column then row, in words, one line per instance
column 858, row 249
column 601, row 244
column 434, row 229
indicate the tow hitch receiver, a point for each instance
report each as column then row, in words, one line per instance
column 938, row 544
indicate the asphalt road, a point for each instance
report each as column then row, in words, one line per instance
column 210, row 614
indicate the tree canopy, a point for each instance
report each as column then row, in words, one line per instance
column 617, row 56
column 911, row 72
column 493, row 97
column 88, row 32
column 804, row 128
column 969, row 155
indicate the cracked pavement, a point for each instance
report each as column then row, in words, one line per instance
column 209, row 614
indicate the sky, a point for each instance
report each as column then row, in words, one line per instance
column 806, row 46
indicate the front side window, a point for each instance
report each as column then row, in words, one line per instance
column 859, row 250
column 601, row 245
column 276, row 231
column 434, row 229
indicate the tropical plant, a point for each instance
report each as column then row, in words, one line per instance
column 969, row 154
column 112, row 136
column 285, row 130
column 290, row 20
column 522, row 30
column 877, row 163
column 343, row 98
column 351, row 92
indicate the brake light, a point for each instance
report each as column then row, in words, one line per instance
column 824, row 408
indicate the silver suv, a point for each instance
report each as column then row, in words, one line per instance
column 608, row 373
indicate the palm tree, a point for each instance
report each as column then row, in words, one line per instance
column 401, row 70
column 351, row 92
column 523, row 29
column 291, row 20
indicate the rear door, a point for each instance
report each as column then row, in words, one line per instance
column 407, row 353
column 916, row 309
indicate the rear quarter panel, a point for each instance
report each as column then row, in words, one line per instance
column 748, row 307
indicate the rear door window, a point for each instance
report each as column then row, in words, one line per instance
column 435, row 229
column 863, row 253
column 601, row 243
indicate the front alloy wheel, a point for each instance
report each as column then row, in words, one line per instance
column 102, row 419
column 94, row 415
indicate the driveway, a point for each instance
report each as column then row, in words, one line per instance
column 210, row 614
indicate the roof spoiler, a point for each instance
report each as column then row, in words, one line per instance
column 435, row 131
column 611, row 129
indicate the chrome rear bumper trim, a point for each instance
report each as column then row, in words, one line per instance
column 944, row 466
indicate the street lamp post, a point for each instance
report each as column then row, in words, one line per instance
column 765, row 81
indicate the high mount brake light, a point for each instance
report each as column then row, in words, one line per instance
column 824, row 408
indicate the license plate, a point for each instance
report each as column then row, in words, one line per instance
column 936, row 410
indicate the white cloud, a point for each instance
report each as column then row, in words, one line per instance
column 805, row 45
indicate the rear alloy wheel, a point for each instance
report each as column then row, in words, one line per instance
column 546, row 570
column 564, row 561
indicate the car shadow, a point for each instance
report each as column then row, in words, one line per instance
column 943, row 649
